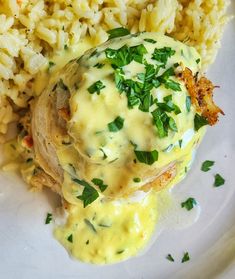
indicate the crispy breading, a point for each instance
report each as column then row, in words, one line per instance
column 201, row 93
column 162, row 180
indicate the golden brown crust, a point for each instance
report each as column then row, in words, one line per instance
column 201, row 92
column 162, row 180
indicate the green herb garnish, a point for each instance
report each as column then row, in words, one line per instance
column 219, row 180
column 104, row 226
column 96, row 87
column 100, row 183
column 180, row 143
column 163, row 122
column 151, row 41
column 169, row 106
column 170, row 258
column 120, row 251
column 48, row 218
column 89, row 193
column 188, row 103
column 70, row 238
column 50, row 64
column 99, row 65
column 146, row 157
column 206, row 166
column 199, row 121
column 198, row 60
column 172, row 124
column 171, row 84
column 118, row 32
column 186, row 257
column 162, row 54
column 116, row 125
column 136, row 179
column 189, row 203
column 104, row 154
column 124, row 55
column 90, row 225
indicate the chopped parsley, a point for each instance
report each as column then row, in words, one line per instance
column 151, row 41
column 162, row 55
column 124, row 55
column 50, row 64
column 219, row 180
column 90, row 225
column 48, row 218
column 168, row 73
column 62, row 85
column 188, row 103
column 206, row 166
column 146, row 157
column 136, row 179
column 198, row 60
column 180, row 143
column 199, row 121
column 172, row 124
column 99, row 65
column 96, row 87
column 168, row 106
column 104, row 154
column 104, row 225
column 66, row 47
column 170, row 258
column 118, row 32
column 169, row 148
column 186, row 257
column 100, row 183
column 189, row 203
column 116, row 125
column 171, row 84
column 70, row 238
column 120, row 251
column 89, row 193
column 163, row 122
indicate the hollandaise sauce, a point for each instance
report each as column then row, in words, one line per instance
column 131, row 132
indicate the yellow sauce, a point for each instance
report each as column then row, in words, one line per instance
column 127, row 226
column 110, row 230
column 107, row 232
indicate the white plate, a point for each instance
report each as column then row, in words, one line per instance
column 28, row 250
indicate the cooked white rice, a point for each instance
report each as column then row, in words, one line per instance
column 32, row 31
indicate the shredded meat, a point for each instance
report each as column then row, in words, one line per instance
column 201, row 92
column 64, row 113
column 41, row 179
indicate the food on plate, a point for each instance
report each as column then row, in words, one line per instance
column 111, row 102
column 122, row 119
